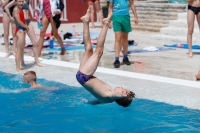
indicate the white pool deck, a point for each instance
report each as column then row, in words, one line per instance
column 161, row 76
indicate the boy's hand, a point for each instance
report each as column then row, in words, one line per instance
column 136, row 20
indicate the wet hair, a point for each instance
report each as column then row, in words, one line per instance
column 126, row 101
column 32, row 74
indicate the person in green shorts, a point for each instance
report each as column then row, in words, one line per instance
column 122, row 26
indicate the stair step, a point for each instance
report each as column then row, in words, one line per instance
column 182, row 16
column 182, row 24
column 145, row 28
column 160, row 9
column 160, row 25
column 177, row 31
column 157, row 1
column 140, row 1
column 156, row 13
column 153, row 21
column 161, row 5
column 142, row 16
column 176, row 39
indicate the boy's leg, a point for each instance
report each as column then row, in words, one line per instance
column 125, row 42
column 190, row 20
column 86, row 39
column 117, row 27
column 126, row 28
column 125, row 48
column 91, row 65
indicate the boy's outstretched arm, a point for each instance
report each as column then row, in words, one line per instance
column 133, row 8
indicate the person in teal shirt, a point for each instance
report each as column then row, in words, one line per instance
column 122, row 26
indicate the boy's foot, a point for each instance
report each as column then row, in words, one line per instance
column 39, row 64
column 23, row 64
column 63, row 51
column 126, row 61
column 116, row 64
column 86, row 17
column 93, row 26
column 7, row 55
column 190, row 55
column 19, row 70
column 39, row 55
column 197, row 75
column 107, row 20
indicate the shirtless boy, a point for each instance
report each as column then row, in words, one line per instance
column 102, row 91
column 30, row 78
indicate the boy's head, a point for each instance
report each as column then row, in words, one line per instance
column 29, row 77
column 126, row 101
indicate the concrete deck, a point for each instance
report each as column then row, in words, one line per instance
column 172, row 64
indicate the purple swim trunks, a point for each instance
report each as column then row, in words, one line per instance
column 82, row 78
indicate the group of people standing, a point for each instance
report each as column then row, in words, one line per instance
column 16, row 13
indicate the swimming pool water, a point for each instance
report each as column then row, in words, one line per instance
column 64, row 110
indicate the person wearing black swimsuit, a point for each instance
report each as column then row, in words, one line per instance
column 193, row 10
column 7, row 19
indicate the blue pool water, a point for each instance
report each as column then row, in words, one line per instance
column 63, row 110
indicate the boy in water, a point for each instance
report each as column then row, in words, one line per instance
column 103, row 92
column 30, row 78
